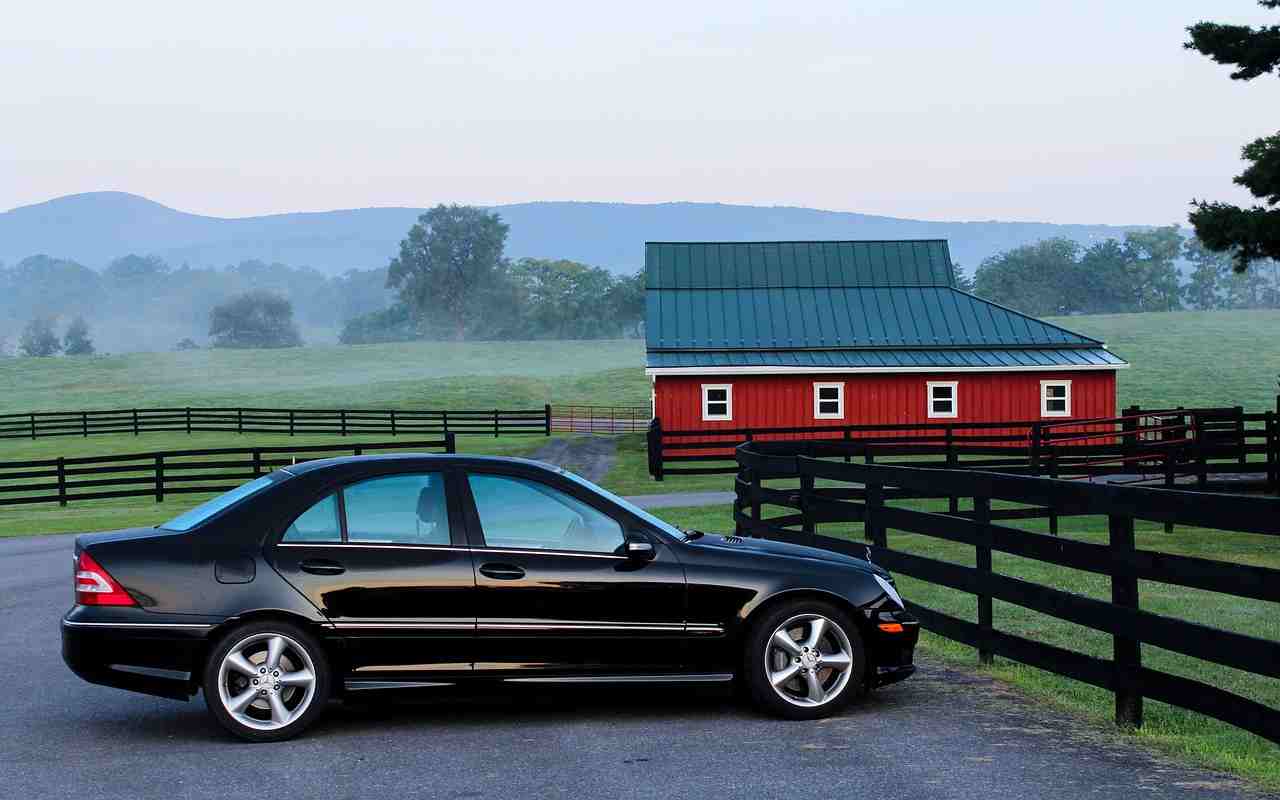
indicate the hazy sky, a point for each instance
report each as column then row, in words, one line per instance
column 1079, row 111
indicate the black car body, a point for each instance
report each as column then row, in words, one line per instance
column 619, row 596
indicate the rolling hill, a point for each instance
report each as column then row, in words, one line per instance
column 95, row 227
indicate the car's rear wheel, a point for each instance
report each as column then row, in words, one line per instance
column 266, row 681
column 804, row 660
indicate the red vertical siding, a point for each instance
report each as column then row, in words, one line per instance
column 763, row 401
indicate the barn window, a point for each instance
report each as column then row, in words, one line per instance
column 828, row 401
column 942, row 399
column 717, row 402
column 1055, row 398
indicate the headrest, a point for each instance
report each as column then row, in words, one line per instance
column 430, row 504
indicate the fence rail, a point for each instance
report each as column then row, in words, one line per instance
column 1165, row 446
column 291, row 421
column 865, row 493
column 162, row 473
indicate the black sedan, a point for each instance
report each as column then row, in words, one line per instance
column 373, row 573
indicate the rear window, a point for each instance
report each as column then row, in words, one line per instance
column 211, row 508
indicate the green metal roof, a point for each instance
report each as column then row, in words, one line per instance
column 755, row 265
column 835, row 304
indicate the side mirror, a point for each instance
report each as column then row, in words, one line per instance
column 639, row 549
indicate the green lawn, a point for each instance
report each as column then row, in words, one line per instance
column 447, row 375
column 1183, row 733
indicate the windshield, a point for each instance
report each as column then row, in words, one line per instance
column 207, row 509
column 665, row 527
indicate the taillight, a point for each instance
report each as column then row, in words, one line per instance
column 96, row 587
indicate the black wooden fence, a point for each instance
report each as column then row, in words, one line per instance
column 1145, row 445
column 157, row 474
column 291, row 421
column 853, row 492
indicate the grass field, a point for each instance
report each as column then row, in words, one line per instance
column 1183, row 733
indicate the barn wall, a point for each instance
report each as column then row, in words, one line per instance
column 761, row 401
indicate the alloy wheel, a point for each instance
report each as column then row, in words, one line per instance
column 807, row 660
column 266, row 681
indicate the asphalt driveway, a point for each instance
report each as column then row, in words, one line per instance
column 942, row 734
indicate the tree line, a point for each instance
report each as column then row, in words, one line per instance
column 1150, row 270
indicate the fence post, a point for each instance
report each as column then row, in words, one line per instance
column 654, row 446
column 1273, row 451
column 1037, row 435
column 159, row 479
column 953, row 502
column 188, row 420
column 257, row 462
column 982, row 516
column 393, row 422
column 806, row 508
column 445, row 417
column 1202, row 464
column 871, row 529
column 239, row 420
column 450, row 442
column 291, row 422
column 342, row 417
column 495, row 423
column 1129, row 434
column 1127, row 653
column 358, row 450
column 546, row 411
column 135, row 422
column 84, row 423
column 62, row 481
column 1239, row 412
column 1053, row 473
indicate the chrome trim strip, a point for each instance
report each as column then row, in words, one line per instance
column 362, row 546
column 534, row 551
column 153, row 625
column 423, row 626
column 715, row 677
column 706, row 629
column 356, row 686
column 581, row 626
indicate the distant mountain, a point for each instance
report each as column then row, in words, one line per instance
column 95, row 227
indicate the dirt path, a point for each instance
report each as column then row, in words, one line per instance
column 588, row 456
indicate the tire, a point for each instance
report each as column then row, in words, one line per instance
column 260, row 702
column 811, row 685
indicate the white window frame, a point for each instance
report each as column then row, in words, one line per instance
column 728, row 402
column 839, row 401
column 955, row 399
column 1044, row 398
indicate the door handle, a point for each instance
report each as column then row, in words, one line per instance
column 321, row 566
column 502, row 572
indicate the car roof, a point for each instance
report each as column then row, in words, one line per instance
column 430, row 460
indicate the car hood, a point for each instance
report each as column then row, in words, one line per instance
column 767, row 548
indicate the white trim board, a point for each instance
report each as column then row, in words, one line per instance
column 713, row 371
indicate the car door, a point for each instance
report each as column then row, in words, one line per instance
column 387, row 562
column 555, row 592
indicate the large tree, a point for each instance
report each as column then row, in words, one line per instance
column 38, row 339
column 1250, row 233
column 76, row 341
column 254, row 319
column 448, row 258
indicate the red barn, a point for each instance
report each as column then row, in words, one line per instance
column 787, row 334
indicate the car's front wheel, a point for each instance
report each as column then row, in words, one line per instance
column 266, row 681
column 804, row 660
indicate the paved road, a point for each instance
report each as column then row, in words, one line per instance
column 942, row 734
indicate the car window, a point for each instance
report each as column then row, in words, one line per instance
column 515, row 512
column 399, row 509
column 211, row 508
column 317, row 524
